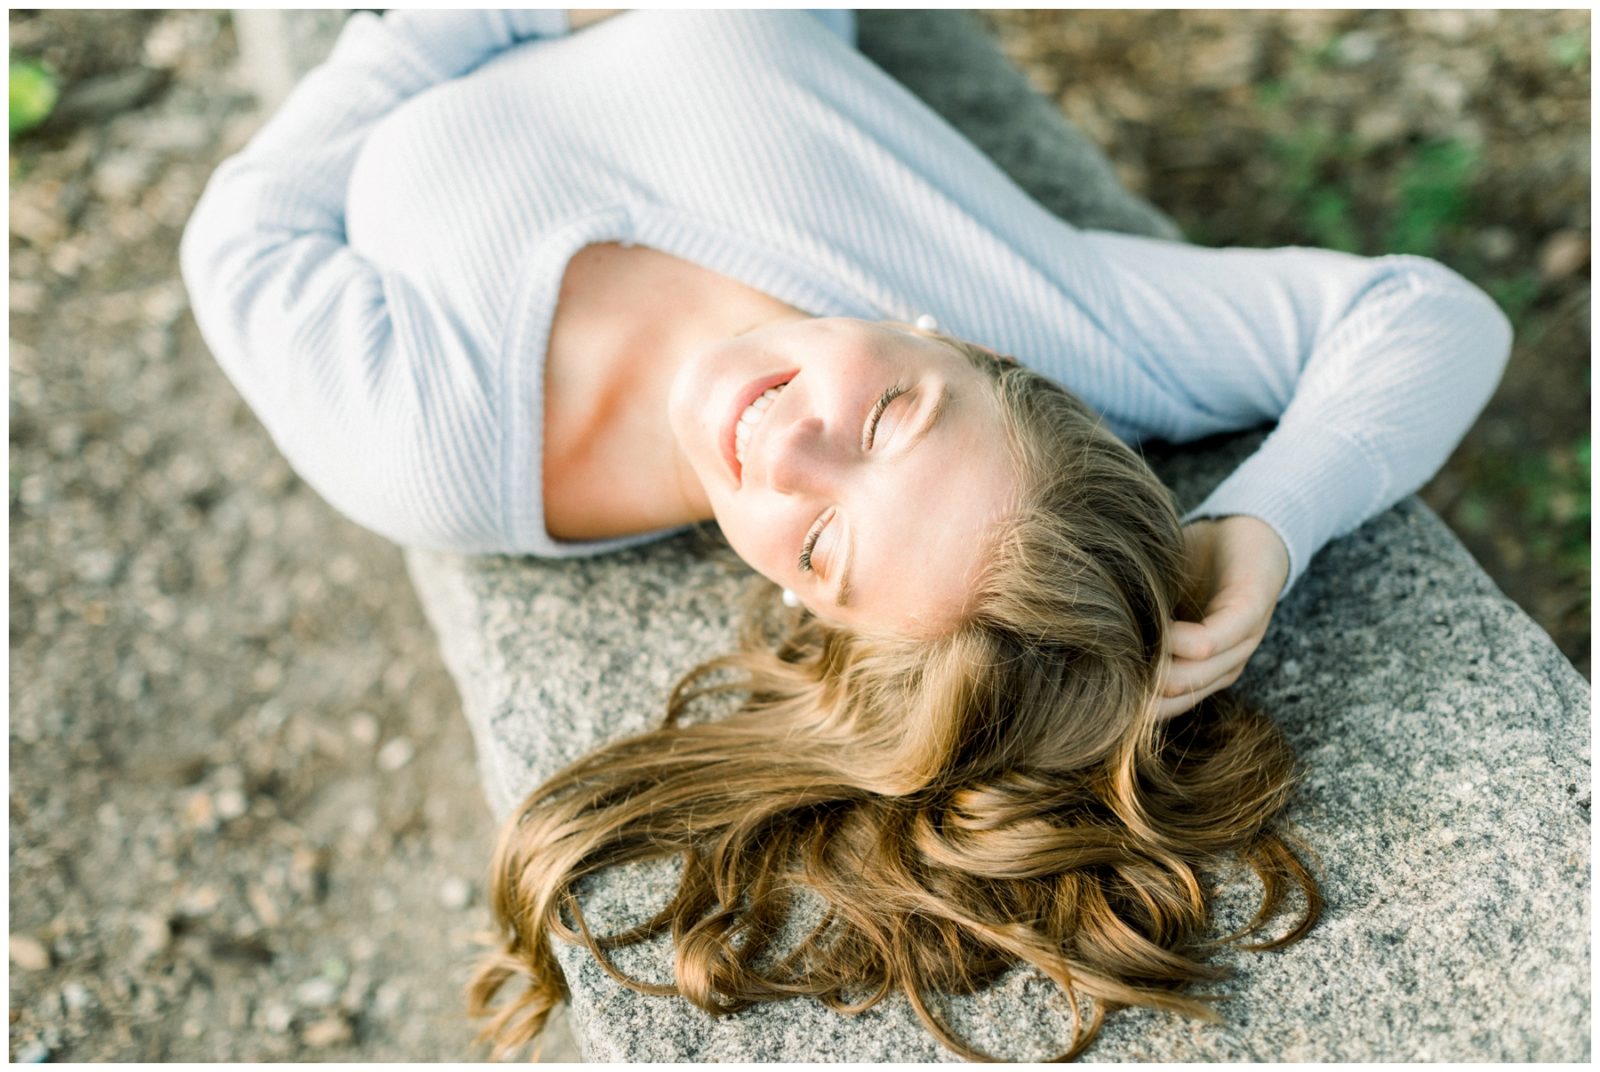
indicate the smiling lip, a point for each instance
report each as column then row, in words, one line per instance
column 741, row 402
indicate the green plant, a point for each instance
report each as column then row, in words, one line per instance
column 1545, row 496
column 1309, row 157
column 33, row 94
column 1570, row 50
column 1515, row 295
column 1431, row 201
column 1330, row 221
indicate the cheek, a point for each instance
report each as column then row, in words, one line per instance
column 758, row 535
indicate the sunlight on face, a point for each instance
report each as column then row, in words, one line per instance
column 872, row 480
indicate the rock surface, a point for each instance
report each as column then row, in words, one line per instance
column 1443, row 736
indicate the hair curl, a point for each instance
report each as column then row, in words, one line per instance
column 1000, row 793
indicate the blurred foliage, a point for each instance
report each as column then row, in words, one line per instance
column 1432, row 202
column 1460, row 136
column 1432, row 186
column 33, row 94
column 1430, row 207
column 1551, row 490
column 1308, row 157
column 1570, row 50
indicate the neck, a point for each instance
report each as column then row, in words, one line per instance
column 612, row 465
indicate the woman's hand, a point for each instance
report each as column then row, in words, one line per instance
column 1237, row 567
column 580, row 17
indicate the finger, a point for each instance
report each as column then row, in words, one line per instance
column 1184, row 675
column 1191, row 640
column 1172, row 706
column 1228, row 620
column 1232, row 621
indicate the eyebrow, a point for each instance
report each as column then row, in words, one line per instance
column 934, row 413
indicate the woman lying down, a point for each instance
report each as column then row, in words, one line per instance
column 508, row 282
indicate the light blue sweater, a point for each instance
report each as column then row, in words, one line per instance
column 377, row 270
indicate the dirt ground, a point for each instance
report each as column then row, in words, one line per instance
column 244, row 818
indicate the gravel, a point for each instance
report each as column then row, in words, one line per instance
column 245, row 823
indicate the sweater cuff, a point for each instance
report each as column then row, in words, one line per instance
column 1309, row 484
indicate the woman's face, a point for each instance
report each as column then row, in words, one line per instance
column 868, row 480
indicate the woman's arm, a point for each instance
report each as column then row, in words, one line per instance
column 1373, row 370
column 348, row 367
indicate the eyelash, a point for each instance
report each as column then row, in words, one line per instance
column 811, row 539
column 866, row 443
column 877, row 413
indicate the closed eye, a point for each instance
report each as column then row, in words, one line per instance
column 812, row 537
column 868, row 434
column 876, row 415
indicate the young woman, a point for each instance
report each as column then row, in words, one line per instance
column 498, row 286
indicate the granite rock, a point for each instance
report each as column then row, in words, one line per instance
column 1443, row 737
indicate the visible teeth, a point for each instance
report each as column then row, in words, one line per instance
column 750, row 418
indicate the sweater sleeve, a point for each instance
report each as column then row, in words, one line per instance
column 1373, row 370
column 378, row 400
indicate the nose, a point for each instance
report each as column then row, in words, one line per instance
column 802, row 458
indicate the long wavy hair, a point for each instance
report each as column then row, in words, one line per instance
column 1002, row 793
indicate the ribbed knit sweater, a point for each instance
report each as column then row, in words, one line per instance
column 377, row 270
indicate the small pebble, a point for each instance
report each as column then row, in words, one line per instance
column 354, row 998
column 276, row 1017
column 261, row 904
column 155, row 934
column 363, row 821
column 455, row 893
column 97, row 567
column 200, row 812
column 388, row 1000
column 201, row 901
column 270, row 715
column 396, row 754
column 27, row 297
column 65, row 439
column 364, row 728
column 316, row 993
column 231, row 804
column 75, row 996
column 120, row 177
column 343, row 569
column 1563, row 254
column 1356, row 48
column 328, row 1032
column 1496, row 243
column 267, row 676
column 176, row 134
column 32, row 1053
column 308, row 871
column 29, row 954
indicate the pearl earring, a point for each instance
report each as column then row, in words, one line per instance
column 790, row 599
column 927, row 323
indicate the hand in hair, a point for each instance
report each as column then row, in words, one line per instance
column 1237, row 567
